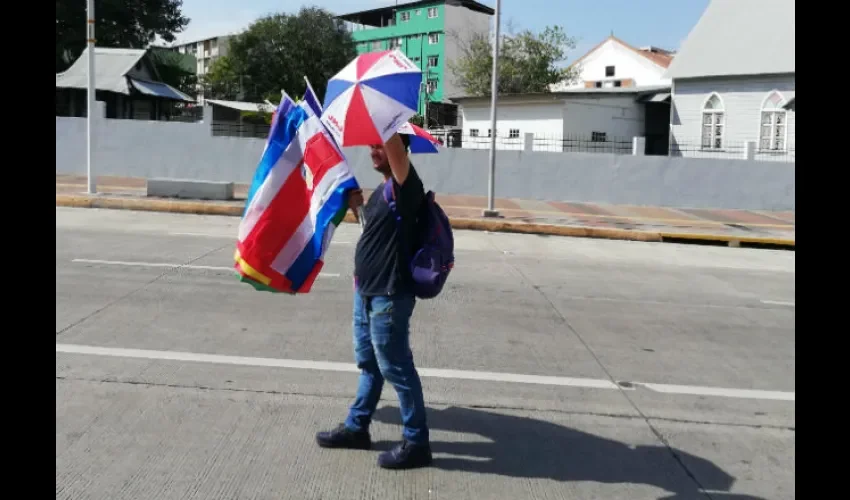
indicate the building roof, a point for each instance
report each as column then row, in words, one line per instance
column 739, row 37
column 372, row 17
column 646, row 91
column 791, row 104
column 112, row 65
column 242, row 105
column 660, row 57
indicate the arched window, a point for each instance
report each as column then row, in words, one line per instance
column 712, row 123
column 772, row 126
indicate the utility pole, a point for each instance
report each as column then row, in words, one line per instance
column 494, row 90
column 90, row 41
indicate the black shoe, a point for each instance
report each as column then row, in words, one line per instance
column 343, row 437
column 406, row 455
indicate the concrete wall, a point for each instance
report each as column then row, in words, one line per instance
column 188, row 151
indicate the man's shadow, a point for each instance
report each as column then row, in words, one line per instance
column 523, row 447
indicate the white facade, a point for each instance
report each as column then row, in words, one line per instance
column 613, row 63
column 715, row 117
column 731, row 80
column 565, row 122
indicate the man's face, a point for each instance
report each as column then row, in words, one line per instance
column 379, row 159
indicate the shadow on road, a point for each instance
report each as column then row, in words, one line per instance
column 524, row 447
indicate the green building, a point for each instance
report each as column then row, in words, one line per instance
column 430, row 33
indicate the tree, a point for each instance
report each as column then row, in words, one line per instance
column 528, row 62
column 278, row 50
column 221, row 80
column 119, row 23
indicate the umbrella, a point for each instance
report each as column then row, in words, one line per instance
column 371, row 98
column 420, row 140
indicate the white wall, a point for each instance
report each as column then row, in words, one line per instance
column 148, row 149
column 742, row 100
column 627, row 64
column 460, row 23
column 543, row 120
column 620, row 117
column 573, row 118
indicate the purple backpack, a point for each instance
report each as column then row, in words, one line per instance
column 433, row 250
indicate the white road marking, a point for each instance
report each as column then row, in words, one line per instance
column 233, row 237
column 424, row 372
column 778, row 303
column 720, row 391
column 165, row 264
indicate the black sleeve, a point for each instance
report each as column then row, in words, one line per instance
column 411, row 194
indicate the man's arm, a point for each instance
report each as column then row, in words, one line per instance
column 397, row 158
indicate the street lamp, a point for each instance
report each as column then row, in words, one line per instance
column 494, row 88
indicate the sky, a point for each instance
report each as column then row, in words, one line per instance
column 662, row 23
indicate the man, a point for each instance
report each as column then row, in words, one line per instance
column 383, row 304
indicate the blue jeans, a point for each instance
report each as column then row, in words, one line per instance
column 382, row 351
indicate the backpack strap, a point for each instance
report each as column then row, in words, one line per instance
column 389, row 197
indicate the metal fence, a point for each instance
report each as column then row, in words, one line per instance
column 728, row 150
column 235, row 129
column 594, row 143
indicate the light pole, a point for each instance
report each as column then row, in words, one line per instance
column 91, row 93
column 494, row 88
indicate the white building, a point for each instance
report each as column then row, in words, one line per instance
column 205, row 51
column 614, row 63
column 582, row 119
column 733, row 81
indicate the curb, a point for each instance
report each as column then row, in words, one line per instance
column 495, row 226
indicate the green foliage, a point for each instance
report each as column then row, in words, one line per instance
column 222, row 80
column 417, row 119
column 528, row 62
column 119, row 23
column 278, row 50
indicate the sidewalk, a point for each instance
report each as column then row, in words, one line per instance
column 642, row 223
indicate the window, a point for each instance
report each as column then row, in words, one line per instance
column 418, row 12
column 598, row 85
column 376, row 45
column 432, row 85
column 433, row 38
column 405, row 16
column 609, row 70
column 432, row 12
column 473, row 132
column 395, row 43
column 432, row 61
column 772, row 127
column 618, row 83
column 513, row 133
column 712, row 123
column 598, row 136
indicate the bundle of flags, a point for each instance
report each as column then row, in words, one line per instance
column 298, row 197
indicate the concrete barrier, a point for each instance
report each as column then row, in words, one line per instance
column 190, row 189
column 145, row 149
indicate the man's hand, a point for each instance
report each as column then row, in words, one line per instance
column 355, row 199
column 397, row 158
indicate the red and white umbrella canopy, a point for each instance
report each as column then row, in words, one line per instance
column 371, row 98
column 420, row 140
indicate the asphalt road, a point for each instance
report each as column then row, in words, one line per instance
column 554, row 368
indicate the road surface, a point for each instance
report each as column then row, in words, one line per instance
column 554, row 368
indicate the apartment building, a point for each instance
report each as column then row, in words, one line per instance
column 205, row 52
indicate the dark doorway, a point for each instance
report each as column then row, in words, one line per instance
column 657, row 128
